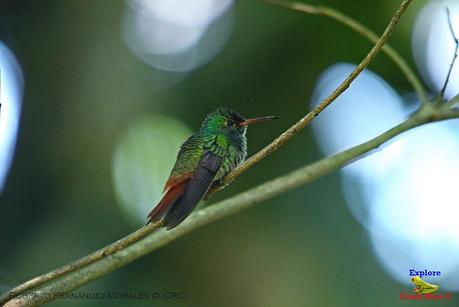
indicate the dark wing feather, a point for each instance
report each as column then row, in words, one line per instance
column 195, row 190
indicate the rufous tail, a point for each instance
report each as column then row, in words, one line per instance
column 172, row 194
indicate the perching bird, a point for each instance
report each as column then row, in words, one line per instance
column 203, row 161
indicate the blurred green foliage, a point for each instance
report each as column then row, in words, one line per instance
column 83, row 90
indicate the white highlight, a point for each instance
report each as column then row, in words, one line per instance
column 433, row 45
column 177, row 35
column 11, row 87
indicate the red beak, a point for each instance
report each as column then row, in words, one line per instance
column 256, row 120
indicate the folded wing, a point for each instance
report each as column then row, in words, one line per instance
column 194, row 190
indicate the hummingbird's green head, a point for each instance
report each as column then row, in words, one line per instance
column 224, row 121
column 229, row 123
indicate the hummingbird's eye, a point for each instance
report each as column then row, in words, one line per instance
column 231, row 123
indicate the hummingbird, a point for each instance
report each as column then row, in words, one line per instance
column 204, row 159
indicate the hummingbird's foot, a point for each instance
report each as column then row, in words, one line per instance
column 216, row 186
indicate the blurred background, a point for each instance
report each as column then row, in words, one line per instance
column 97, row 96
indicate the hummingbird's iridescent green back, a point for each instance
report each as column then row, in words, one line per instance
column 219, row 134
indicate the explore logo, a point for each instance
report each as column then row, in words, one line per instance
column 422, row 289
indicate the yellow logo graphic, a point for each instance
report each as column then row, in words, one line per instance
column 423, row 287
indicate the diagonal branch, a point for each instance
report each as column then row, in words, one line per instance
column 365, row 32
column 456, row 41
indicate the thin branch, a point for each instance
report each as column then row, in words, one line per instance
column 89, row 261
column 453, row 102
column 365, row 32
column 451, row 114
column 456, row 41
column 73, row 266
column 303, row 122
column 224, row 209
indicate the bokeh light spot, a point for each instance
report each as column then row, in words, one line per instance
column 11, row 90
column 143, row 159
column 177, row 35
column 433, row 45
